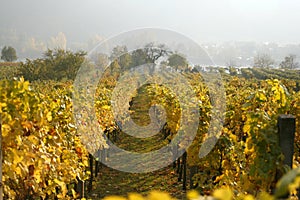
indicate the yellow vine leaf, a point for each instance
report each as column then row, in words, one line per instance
column 74, row 193
column 262, row 96
column 17, row 158
column 49, row 116
column 37, row 176
column 18, row 171
column 248, row 197
column 60, row 183
column 135, row 196
column 5, row 130
column 219, row 178
column 246, row 128
column 192, row 195
column 265, row 196
column 223, row 194
column 3, row 105
column 114, row 198
column 157, row 195
column 33, row 139
column 106, row 107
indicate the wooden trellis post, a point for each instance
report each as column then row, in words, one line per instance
column 286, row 134
column 286, row 130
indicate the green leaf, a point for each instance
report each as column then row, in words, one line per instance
column 282, row 187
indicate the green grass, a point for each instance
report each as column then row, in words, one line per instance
column 114, row 182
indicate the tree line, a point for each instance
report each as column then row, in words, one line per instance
column 265, row 61
column 61, row 64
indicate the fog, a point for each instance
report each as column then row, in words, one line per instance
column 204, row 21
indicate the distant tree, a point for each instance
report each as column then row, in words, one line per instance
column 125, row 61
column 56, row 65
column 151, row 53
column 222, row 70
column 232, row 71
column 9, row 54
column 100, row 59
column 117, row 51
column 58, row 42
column 139, row 57
column 121, row 55
column 178, row 61
column 154, row 53
column 289, row 62
column 114, row 68
column 263, row 61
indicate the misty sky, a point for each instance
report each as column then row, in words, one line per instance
column 202, row 20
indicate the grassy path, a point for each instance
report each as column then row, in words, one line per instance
column 113, row 182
